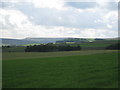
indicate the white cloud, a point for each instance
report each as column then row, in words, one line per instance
column 111, row 20
column 14, row 17
column 100, row 33
column 57, row 4
column 113, row 15
column 59, row 18
column 16, row 24
column 109, row 26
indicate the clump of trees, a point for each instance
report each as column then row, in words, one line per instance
column 51, row 47
column 5, row 46
column 114, row 46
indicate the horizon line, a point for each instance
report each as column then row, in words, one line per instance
column 55, row 37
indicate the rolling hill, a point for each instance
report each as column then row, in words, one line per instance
column 6, row 41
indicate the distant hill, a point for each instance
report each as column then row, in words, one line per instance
column 6, row 41
column 44, row 40
column 78, row 40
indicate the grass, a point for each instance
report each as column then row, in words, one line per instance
column 27, row 55
column 95, row 70
column 14, row 49
column 99, row 45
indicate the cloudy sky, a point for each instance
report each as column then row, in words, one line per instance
column 58, row 18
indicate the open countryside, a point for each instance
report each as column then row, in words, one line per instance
column 95, row 70
column 59, row 44
column 90, row 67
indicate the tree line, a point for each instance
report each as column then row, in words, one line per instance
column 114, row 46
column 51, row 47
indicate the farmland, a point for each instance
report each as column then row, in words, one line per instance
column 97, row 45
column 73, row 69
column 59, row 44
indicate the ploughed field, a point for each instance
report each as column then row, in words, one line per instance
column 73, row 69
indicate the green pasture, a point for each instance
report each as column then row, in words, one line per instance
column 97, row 45
column 74, row 69
column 27, row 55
column 14, row 49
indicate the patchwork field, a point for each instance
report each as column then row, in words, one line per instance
column 74, row 69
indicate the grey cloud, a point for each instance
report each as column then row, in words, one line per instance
column 112, row 5
column 68, row 18
column 6, row 5
column 82, row 5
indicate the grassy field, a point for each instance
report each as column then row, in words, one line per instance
column 14, row 49
column 74, row 69
column 27, row 55
column 97, row 45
